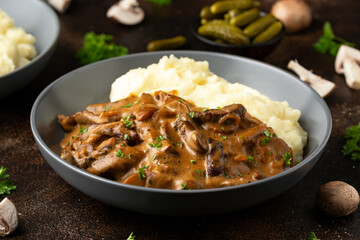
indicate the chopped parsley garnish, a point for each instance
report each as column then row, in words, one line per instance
column 192, row 161
column 128, row 123
column 226, row 175
column 267, row 137
column 240, row 175
column 141, row 172
column 119, row 153
column 222, row 128
column 178, row 144
column 106, row 108
column 160, row 138
column 191, row 114
column 242, row 137
column 98, row 47
column 312, row 236
column 130, row 156
column 154, row 157
column 131, row 236
column 155, row 145
column 250, row 159
column 204, row 109
column 287, row 158
column 218, row 107
column 82, row 130
column 352, row 145
column 126, row 136
column 136, row 102
column 180, row 100
column 183, row 186
column 68, row 143
column 5, row 184
column 127, row 105
column 223, row 138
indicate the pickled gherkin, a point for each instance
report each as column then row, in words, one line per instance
column 224, row 6
column 259, row 25
column 220, row 29
column 269, row 33
column 166, row 44
column 245, row 17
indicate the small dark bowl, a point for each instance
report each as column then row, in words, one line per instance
column 256, row 50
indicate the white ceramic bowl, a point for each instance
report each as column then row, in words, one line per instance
column 38, row 19
column 91, row 84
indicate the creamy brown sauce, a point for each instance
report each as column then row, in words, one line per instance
column 163, row 141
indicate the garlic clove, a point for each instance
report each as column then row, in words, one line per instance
column 9, row 218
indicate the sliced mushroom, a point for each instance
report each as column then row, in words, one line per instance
column 215, row 158
column 126, row 12
column 9, row 218
column 60, row 5
column 347, row 62
column 322, row 86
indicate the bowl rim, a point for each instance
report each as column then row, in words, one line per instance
column 52, row 41
column 196, row 24
column 313, row 155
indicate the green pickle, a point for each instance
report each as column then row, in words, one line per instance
column 269, row 33
column 220, row 29
column 259, row 25
column 245, row 18
column 224, row 6
column 166, row 44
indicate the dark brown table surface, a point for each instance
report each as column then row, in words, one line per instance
column 52, row 209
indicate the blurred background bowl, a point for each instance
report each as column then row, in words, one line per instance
column 38, row 19
column 257, row 50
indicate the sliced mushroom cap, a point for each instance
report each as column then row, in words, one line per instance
column 347, row 62
column 126, row 12
column 9, row 219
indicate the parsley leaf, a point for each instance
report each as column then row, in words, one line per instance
column 328, row 42
column 312, row 236
column 287, row 158
column 119, row 153
column 141, row 172
column 98, row 47
column 352, row 145
column 160, row 2
column 82, row 130
column 131, row 236
column 5, row 184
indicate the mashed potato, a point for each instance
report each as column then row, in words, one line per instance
column 16, row 46
column 193, row 81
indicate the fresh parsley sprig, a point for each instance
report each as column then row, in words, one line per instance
column 352, row 145
column 312, row 236
column 160, row 2
column 328, row 42
column 5, row 184
column 98, row 47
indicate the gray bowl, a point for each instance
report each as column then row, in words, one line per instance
column 38, row 19
column 91, row 84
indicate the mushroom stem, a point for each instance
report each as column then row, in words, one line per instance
column 60, row 5
column 9, row 218
column 322, row 86
column 347, row 62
